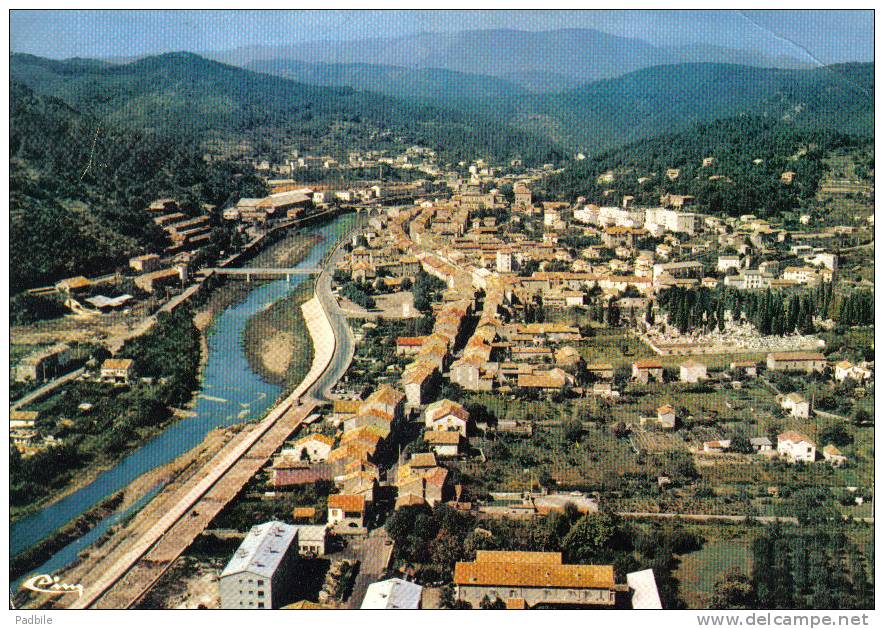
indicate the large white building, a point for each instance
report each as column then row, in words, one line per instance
column 260, row 571
column 673, row 220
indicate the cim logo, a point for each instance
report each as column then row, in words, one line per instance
column 47, row 584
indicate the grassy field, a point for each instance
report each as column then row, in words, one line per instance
column 699, row 570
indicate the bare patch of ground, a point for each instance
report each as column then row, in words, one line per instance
column 277, row 352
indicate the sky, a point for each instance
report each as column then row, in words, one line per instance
column 825, row 36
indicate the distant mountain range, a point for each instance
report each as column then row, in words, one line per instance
column 463, row 115
column 537, row 61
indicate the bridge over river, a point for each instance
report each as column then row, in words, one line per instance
column 263, row 273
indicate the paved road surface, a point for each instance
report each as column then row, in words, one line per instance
column 374, row 557
column 343, row 334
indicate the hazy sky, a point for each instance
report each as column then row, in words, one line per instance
column 826, row 36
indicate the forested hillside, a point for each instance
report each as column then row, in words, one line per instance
column 749, row 156
column 430, row 85
column 78, row 189
column 664, row 99
column 229, row 108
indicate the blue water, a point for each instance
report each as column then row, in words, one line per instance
column 69, row 553
column 231, row 393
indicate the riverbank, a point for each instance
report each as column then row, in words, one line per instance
column 229, row 394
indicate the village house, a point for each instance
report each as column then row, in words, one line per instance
column 418, row 382
column 845, row 369
column 145, row 263
column 73, row 285
column 392, row 594
column 665, row 418
column 444, row 443
column 117, row 370
column 387, row 399
column 692, row 371
column 806, row 362
column 527, row 579
column 312, row 539
column 409, row 345
column 150, row 282
column 261, row 571
column 446, row 415
column 646, row 370
column 796, row 405
column 744, row 368
column 313, row 447
column 761, row 445
column 833, row 456
column 795, row 447
column 346, row 511
column 553, row 380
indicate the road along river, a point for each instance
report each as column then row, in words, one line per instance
column 230, row 393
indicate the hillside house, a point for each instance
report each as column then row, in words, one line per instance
column 795, row 447
column 646, row 370
column 796, row 405
column 833, row 456
column 761, row 445
column 146, row 263
column 744, row 369
column 43, row 364
column 601, row 371
column 665, row 418
column 845, row 369
column 117, row 370
column 446, row 415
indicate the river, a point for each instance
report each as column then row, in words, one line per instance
column 230, row 393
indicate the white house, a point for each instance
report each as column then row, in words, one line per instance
column 833, row 456
column 796, row 447
column 845, row 369
column 447, row 415
column 316, row 447
column 796, row 404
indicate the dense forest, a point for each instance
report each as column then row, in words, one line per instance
column 78, row 189
column 749, row 156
